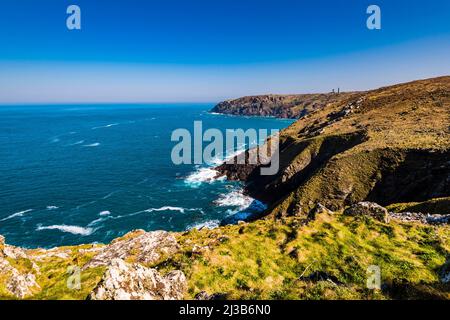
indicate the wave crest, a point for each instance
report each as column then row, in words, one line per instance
column 17, row 214
column 203, row 175
column 77, row 230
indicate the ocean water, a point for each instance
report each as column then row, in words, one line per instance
column 90, row 173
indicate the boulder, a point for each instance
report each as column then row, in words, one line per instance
column 370, row 209
column 145, row 247
column 124, row 281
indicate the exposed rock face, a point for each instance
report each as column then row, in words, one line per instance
column 123, row 281
column 421, row 217
column 280, row 106
column 149, row 247
column 368, row 209
column 22, row 285
column 17, row 283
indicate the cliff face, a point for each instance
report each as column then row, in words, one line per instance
column 280, row 106
column 389, row 145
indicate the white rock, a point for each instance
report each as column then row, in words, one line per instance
column 147, row 247
column 124, row 281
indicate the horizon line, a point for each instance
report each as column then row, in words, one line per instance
column 66, row 103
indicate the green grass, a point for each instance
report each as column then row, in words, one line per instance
column 266, row 259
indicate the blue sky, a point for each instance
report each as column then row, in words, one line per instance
column 195, row 50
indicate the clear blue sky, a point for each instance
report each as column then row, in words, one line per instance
column 195, row 50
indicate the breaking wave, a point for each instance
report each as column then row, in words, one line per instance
column 203, row 175
column 69, row 229
column 92, row 145
column 106, row 126
column 17, row 214
column 234, row 199
column 210, row 224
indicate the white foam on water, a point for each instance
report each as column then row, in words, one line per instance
column 92, row 145
column 150, row 210
column 52, row 207
column 209, row 174
column 17, row 214
column 98, row 220
column 77, row 143
column 203, row 175
column 69, row 229
column 168, row 208
column 106, row 126
column 235, row 198
column 210, row 224
column 242, row 206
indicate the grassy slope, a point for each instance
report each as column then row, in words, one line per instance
column 265, row 259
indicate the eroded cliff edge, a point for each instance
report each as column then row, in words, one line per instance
column 389, row 145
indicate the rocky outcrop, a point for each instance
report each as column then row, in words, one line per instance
column 280, row 106
column 368, row 209
column 18, row 283
column 436, row 219
column 124, row 281
column 143, row 247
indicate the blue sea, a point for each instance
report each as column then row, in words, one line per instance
column 75, row 174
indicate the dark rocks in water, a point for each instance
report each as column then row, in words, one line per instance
column 253, row 212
